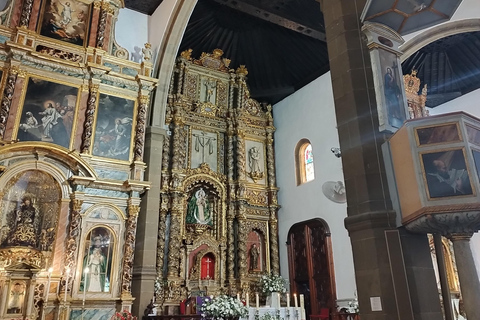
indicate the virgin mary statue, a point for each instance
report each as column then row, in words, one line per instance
column 198, row 210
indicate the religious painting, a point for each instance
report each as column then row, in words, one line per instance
column 97, row 261
column 31, row 206
column 446, row 174
column 391, row 96
column 438, row 134
column 48, row 112
column 114, row 126
column 65, row 20
column 473, row 135
column 204, row 148
column 199, row 209
column 17, row 297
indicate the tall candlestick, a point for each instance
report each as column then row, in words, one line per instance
column 247, row 300
column 66, row 283
column 288, row 300
column 295, row 300
column 48, row 283
column 85, row 286
column 257, row 303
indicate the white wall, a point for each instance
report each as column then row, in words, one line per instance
column 469, row 103
column 310, row 113
column 131, row 30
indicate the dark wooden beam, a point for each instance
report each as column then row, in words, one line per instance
column 273, row 18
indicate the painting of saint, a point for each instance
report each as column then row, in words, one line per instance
column 446, row 174
column 113, row 131
column 48, row 112
column 97, row 261
column 16, row 298
column 65, row 20
column 198, row 209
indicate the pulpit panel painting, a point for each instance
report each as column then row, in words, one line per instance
column 473, row 135
column 48, row 112
column 97, row 261
column 113, row 129
column 65, row 20
column 446, row 174
column 31, row 206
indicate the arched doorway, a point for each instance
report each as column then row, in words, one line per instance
column 310, row 264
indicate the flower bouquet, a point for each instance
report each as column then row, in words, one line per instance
column 124, row 315
column 223, row 307
column 272, row 283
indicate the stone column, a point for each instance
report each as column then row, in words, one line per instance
column 467, row 274
column 144, row 265
column 379, row 269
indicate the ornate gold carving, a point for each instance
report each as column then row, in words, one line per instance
column 7, row 99
column 60, row 54
column 15, row 255
column 147, row 52
column 71, row 242
column 416, row 102
column 208, row 109
column 102, row 23
column 257, row 197
column 26, row 13
column 161, row 240
column 89, row 119
column 213, row 61
column 187, row 54
column 129, row 248
column 242, row 70
column 174, row 245
column 140, row 129
column 204, row 169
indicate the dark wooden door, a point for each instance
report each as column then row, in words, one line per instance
column 311, row 265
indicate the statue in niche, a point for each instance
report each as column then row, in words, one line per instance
column 17, row 297
column 254, row 158
column 210, row 86
column 96, row 262
column 254, row 254
column 198, row 210
column 23, row 232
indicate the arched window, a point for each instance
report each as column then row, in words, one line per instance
column 304, row 162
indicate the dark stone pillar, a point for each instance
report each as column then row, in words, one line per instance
column 379, row 256
column 144, row 266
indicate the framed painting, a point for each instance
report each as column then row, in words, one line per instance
column 114, row 127
column 438, row 134
column 65, row 20
column 48, row 112
column 446, row 174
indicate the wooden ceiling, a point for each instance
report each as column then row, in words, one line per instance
column 282, row 44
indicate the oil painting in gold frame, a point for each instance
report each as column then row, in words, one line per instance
column 113, row 128
column 65, row 20
column 48, row 112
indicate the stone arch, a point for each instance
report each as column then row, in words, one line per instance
column 167, row 54
column 436, row 33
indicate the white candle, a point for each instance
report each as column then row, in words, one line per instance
column 85, row 285
column 278, row 299
column 247, row 300
column 295, row 300
column 288, row 300
column 257, row 303
column 238, row 296
column 302, row 302
column 48, row 283
column 66, row 283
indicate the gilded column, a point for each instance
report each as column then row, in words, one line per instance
column 129, row 248
column 7, row 99
column 241, row 242
column 89, row 119
column 102, row 23
column 26, row 13
column 73, row 236
column 140, row 128
column 179, row 141
column 175, row 238
column 240, row 151
column 231, row 249
column 274, row 257
column 161, row 239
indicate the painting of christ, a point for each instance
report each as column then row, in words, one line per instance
column 65, row 20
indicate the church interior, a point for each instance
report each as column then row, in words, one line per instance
column 155, row 154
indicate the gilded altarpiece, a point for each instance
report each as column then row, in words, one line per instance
column 72, row 125
column 218, row 216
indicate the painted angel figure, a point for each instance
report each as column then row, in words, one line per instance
column 66, row 13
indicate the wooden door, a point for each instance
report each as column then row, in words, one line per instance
column 311, row 265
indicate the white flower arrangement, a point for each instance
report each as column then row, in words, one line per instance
column 273, row 283
column 269, row 316
column 352, row 306
column 223, row 307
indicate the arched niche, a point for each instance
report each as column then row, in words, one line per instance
column 31, row 203
column 256, row 249
column 100, row 252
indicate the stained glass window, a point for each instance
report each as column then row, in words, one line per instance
column 308, row 161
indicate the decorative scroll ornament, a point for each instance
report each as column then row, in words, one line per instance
column 211, row 60
column 7, row 99
column 60, row 54
column 12, row 256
